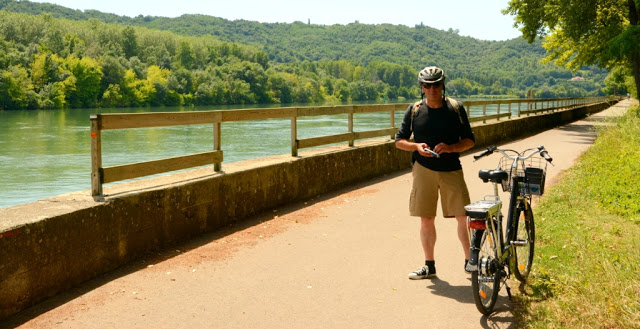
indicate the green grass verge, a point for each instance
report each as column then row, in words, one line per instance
column 586, row 271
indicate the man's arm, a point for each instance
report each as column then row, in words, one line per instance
column 458, row 147
column 406, row 145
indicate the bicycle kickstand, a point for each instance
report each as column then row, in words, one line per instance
column 506, row 285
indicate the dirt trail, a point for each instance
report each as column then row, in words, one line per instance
column 339, row 261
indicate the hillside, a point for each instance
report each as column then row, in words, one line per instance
column 365, row 62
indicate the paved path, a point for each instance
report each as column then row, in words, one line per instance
column 339, row 261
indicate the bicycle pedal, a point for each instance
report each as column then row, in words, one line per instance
column 519, row 243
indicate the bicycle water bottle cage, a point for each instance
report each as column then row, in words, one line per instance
column 496, row 176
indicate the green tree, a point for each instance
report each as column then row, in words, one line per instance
column 54, row 40
column 129, row 42
column 88, row 75
column 112, row 97
column 52, row 80
column 135, row 92
column 74, row 46
column 460, row 87
column 157, row 79
column 342, row 91
column 601, row 32
column 358, row 73
column 45, row 69
column 181, row 80
column 15, row 88
column 113, row 72
column 280, row 87
column 210, row 92
column 186, row 56
column 618, row 82
column 53, row 95
column 263, row 59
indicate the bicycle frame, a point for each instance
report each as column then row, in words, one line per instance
column 504, row 245
column 493, row 255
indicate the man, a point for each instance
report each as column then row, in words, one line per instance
column 440, row 125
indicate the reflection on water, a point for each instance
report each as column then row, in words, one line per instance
column 46, row 153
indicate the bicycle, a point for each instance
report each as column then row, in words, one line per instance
column 494, row 256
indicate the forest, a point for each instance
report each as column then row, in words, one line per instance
column 55, row 57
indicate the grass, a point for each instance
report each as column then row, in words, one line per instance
column 586, row 271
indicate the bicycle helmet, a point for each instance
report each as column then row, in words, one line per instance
column 431, row 74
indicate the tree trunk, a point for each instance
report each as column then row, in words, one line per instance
column 635, row 56
column 635, row 67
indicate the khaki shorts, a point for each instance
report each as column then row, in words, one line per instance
column 424, row 193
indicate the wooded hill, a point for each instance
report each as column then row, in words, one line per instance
column 54, row 57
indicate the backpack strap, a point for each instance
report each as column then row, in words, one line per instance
column 451, row 104
column 414, row 111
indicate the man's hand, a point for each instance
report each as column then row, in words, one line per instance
column 442, row 148
column 425, row 151
column 460, row 146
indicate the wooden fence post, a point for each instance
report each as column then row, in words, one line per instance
column 392, row 119
column 350, row 124
column 484, row 112
column 294, row 136
column 96, row 155
column 217, row 144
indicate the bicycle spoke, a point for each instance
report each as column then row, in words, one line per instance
column 485, row 282
column 524, row 244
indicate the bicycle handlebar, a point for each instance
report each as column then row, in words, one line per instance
column 540, row 150
column 489, row 150
column 545, row 155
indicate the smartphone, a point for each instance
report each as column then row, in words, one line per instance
column 432, row 153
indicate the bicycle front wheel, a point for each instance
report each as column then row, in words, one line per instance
column 524, row 243
column 485, row 283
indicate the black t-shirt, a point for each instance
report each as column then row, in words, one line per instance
column 434, row 126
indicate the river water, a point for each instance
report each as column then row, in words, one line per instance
column 47, row 153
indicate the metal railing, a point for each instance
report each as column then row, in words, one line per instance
column 101, row 175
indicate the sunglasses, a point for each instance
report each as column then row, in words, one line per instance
column 431, row 85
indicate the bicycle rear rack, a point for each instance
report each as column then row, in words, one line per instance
column 483, row 209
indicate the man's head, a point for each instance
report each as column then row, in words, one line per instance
column 431, row 80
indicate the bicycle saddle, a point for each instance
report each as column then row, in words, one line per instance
column 496, row 175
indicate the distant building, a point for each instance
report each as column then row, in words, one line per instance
column 577, row 79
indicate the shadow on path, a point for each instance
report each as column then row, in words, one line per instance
column 442, row 288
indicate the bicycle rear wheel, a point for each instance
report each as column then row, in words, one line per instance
column 485, row 283
column 524, row 243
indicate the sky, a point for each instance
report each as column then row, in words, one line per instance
column 480, row 19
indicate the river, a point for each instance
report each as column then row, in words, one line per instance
column 47, row 153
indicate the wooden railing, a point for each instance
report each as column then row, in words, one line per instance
column 99, row 122
column 525, row 106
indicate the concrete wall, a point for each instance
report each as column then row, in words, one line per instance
column 51, row 245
